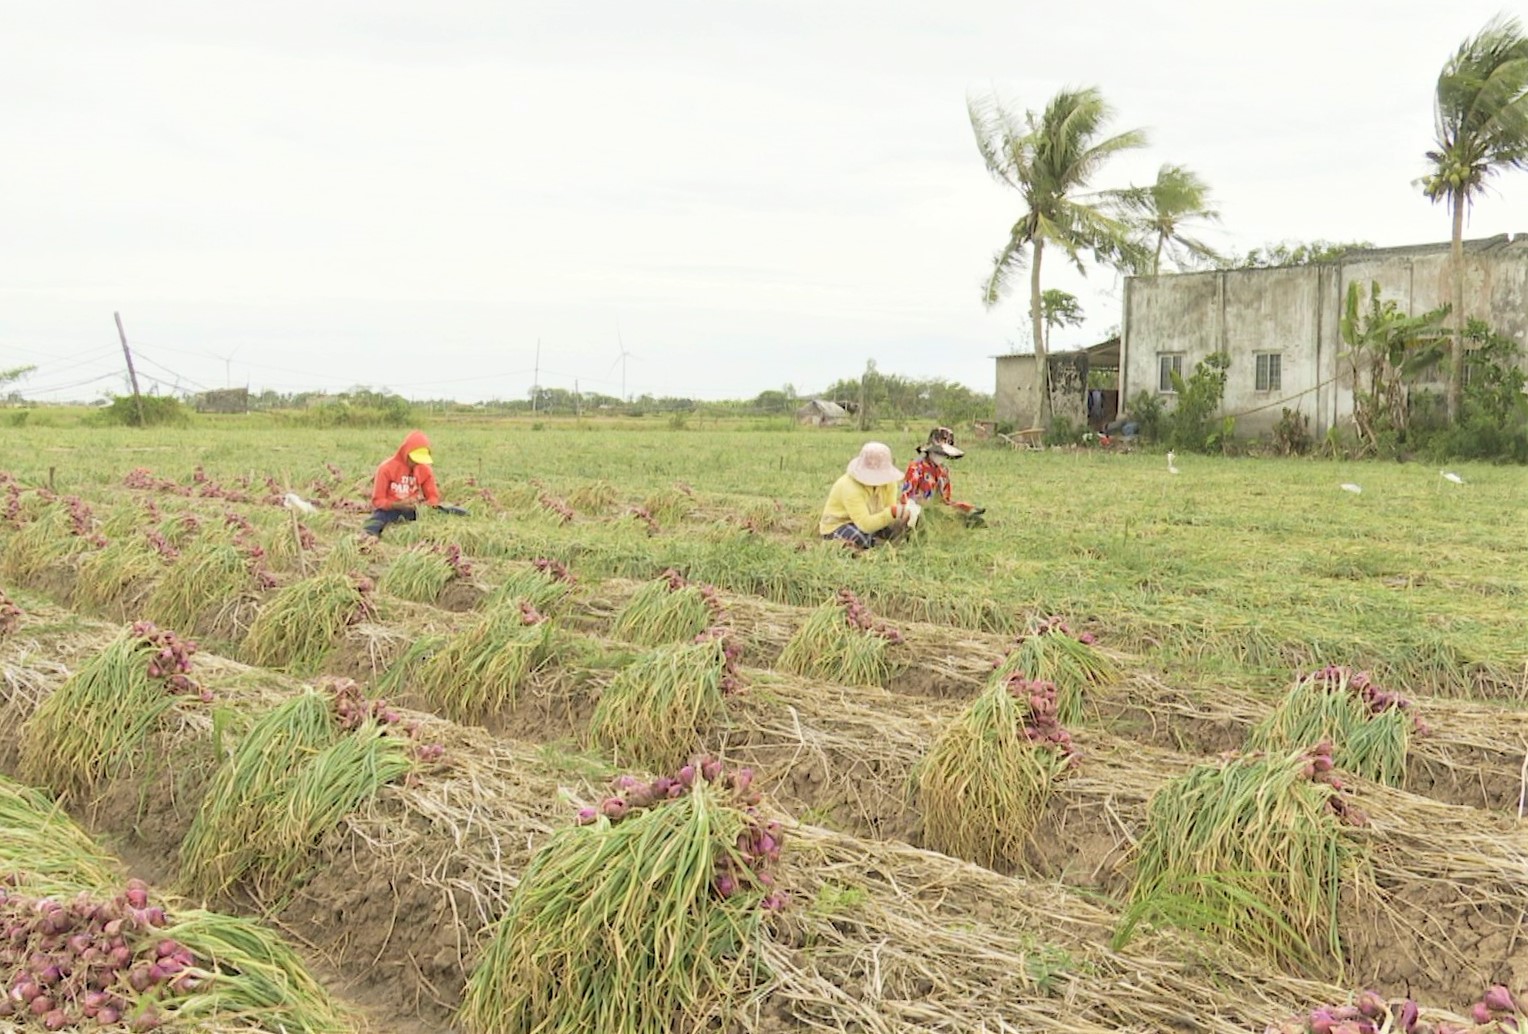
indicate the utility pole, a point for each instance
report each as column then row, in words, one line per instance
column 864, row 414
column 577, row 409
column 536, row 377
column 132, row 375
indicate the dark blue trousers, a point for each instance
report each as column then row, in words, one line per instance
column 380, row 519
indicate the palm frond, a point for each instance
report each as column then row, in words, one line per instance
column 1188, row 251
column 1006, row 265
column 1480, row 113
column 997, row 134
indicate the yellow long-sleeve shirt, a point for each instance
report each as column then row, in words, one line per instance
column 866, row 507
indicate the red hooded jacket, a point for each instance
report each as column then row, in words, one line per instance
column 399, row 480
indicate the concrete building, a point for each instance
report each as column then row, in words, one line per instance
column 1280, row 326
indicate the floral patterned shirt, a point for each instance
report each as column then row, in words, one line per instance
column 926, row 479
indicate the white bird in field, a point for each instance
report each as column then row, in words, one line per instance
column 1170, row 457
column 1348, row 486
column 1449, row 475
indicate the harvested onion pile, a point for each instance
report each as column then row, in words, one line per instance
column 555, row 569
column 171, row 659
column 646, row 918
column 669, row 609
column 1375, row 698
column 1319, row 768
column 1043, row 726
column 1057, row 624
column 859, row 617
column 90, row 960
column 1497, row 1010
column 563, row 511
column 1049, row 651
column 353, row 709
column 10, row 615
column 988, row 775
column 731, row 680
column 842, row 642
column 758, row 846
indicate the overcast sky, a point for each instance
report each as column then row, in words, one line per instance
column 314, row 195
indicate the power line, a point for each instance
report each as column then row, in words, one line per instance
column 66, row 387
column 96, row 352
column 178, row 377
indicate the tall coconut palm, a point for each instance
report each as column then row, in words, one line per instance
column 1050, row 159
column 1164, row 211
column 1481, row 118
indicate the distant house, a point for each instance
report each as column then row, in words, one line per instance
column 821, row 413
column 228, row 400
column 1281, row 326
column 1072, row 399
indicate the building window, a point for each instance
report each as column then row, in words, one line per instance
column 1168, row 363
column 1270, row 371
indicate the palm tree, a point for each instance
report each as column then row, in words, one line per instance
column 1059, row 308
column 1049, row 159
column 1481, row 118
column 1162, row 211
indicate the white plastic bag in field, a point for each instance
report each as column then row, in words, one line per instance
column 293, row 501
column 913, row 511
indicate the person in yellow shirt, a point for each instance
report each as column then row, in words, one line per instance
column 862, row 508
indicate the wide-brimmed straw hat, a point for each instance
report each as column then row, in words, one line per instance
column 941, row 441
column 874, row 466
column 949, row 452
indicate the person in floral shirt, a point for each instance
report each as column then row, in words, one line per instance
column 928, row 477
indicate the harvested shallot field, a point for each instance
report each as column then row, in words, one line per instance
column 627, row 748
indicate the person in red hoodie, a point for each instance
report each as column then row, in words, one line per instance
column 404, row 480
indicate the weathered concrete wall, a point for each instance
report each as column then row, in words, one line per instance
column 1015, row 382
column 1295, row 311
column 1013, row 397
column 1276, row 311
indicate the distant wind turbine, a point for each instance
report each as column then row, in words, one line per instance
column 621, row 359
column 228, row 364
